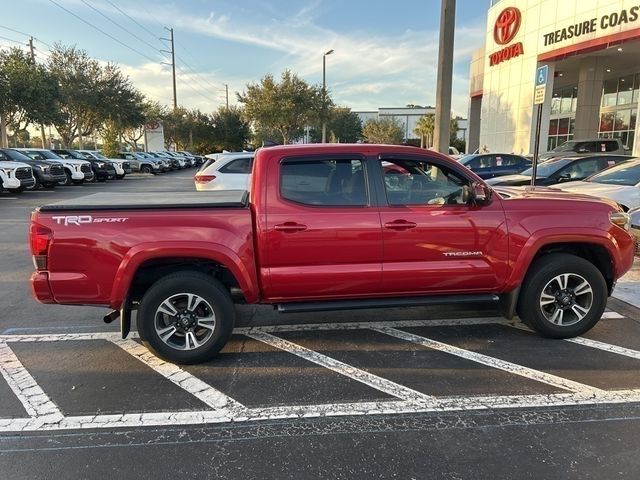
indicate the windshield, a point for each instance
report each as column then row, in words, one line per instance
column 77, row 154
column 43, row 153
column 548, row 168
column 627, row 173
column 565, row 147
column 96, row 155
column 17, row 156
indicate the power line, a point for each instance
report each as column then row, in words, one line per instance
column 25, row 34
column 133, row 19
column 199, row 75
column 151, row 15
column 119, row 26
column 103, row 32
column 12, row 40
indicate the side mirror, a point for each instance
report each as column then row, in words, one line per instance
column 481, row 194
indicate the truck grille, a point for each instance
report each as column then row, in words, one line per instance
column 126, row 165
column 57, row 170
column 110, row 168
column 84, row 168
column 23, row 173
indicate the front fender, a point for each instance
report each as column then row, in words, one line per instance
column 241, row 265
column 543, row 238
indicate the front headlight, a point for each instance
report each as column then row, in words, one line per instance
column 621, row 219
column 100, row 164
column 43, row 168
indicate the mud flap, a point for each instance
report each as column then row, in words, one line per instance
column 125, row 318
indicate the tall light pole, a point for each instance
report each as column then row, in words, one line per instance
column 173, row 65
column 445, row 77
column 324, row 94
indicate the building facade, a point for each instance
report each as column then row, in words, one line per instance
column 592, row 49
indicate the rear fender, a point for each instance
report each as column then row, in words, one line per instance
column 242, row 268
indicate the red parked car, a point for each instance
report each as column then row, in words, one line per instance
column 329, row 227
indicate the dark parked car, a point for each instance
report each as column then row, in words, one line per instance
column 489, row 165
column 82, row 168
column 559, row 170
column 103, row 169
column 47, row 174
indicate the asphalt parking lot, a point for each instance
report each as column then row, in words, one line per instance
column 437, row 392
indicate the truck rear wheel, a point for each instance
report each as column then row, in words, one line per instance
column 186, row 317
column 563, row 296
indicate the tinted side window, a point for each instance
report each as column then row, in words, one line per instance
column 582, row 168
column 474, row 163
column 3, row 156
column 610, row 146
column 425, row 183
column 240, row 165
column 324, row 182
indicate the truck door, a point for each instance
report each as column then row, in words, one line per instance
column 435, row 241
column 323, row 233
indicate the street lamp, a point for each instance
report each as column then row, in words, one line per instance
column 324, row 93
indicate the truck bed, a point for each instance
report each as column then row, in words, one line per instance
column 153, row 200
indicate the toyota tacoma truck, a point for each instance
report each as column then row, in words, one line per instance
column 329, row 227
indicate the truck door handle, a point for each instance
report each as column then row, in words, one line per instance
column 290, row 227
column 400, row 225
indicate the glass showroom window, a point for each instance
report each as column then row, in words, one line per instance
column 563, row 114
column 618, row 115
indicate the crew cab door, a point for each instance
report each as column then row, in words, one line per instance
column 435, row 241
column 322, row 236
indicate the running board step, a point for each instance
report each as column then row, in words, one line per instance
column 325, row 306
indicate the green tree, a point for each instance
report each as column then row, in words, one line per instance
column 30, row 93
column 79, row 77
column 284, row 107
column 231, row 131
column 424, row 129
column 344, row 126
column 383, row 130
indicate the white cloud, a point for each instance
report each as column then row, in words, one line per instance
column 367, row 70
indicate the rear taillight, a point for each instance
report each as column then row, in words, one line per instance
column 204, row 178
column 40, row 238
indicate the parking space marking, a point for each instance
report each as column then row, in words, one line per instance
column 493, row 362
column 33, row 399
column 607, row 347
column 193, row 385
column 374, row 381
column 611, row 315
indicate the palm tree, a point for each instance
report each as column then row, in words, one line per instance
column 424, row 128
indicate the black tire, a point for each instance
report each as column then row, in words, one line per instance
column 16, row 191
column 49, row 186
column 102, row 179
column 68, row 181
column 78, row 182
column 174, row 285
column 541, row 280
column 146, row 169
column 120, row 177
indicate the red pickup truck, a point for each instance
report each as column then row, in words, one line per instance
column 327, row 227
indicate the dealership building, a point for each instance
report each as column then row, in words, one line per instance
column 592, row 49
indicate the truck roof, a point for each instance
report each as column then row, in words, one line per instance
column 362, row 148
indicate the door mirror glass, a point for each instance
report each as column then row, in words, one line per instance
column 480, row 194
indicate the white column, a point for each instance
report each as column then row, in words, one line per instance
column 590, row 81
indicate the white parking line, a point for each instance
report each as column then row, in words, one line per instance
column 193, row 385
column 379, row 383
column 493, row 362
column 627, row 352
column 33, row 399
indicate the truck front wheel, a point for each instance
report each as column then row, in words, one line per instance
column 563, row 296
column 186, row 317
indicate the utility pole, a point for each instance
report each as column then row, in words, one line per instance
column 226, row 88
column 324, row 94
column 33, row 59
column 173, row 65
column 445, row 76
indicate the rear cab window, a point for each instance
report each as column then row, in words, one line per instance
column 321, row 182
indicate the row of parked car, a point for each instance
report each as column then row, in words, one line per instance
column 32, row 168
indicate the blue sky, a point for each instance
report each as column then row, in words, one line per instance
column 385, row 51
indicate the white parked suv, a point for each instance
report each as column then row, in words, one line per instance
column 77, row 171
column 230, row 171
column 16, row 176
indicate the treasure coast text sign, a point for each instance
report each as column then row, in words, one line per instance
column 505, row 30
column 614, row 19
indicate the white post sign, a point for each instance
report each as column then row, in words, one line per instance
column 153, row 137
column 542, row 73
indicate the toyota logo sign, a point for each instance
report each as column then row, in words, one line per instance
column 507, row 25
